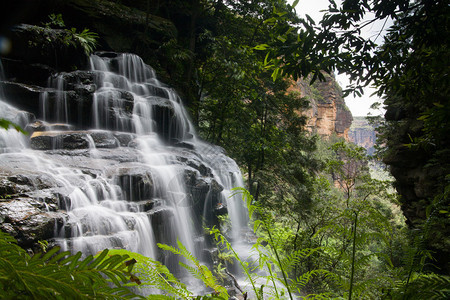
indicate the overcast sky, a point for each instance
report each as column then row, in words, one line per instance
column 359, row 106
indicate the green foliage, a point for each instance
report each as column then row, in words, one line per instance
column 424, row 286
column 5, row 124
column 345, row 238
column 198, row 270
column 272, row 257
column 56, row 21
column 408, row 64
column 152, row 274
column 59, row 275
column 86, row 38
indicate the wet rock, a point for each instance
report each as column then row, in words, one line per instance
column 158, row 217
column 211, row 256
column 58, row 140
column 49, row 140
column 17, row 210
column 26, row 222
column 24, row 181
column 21, row 179
column 135, row 180
column 220, row 209
column 22, row 96
column 147, row 205
column 124, row 138
column 81, row 80
column 45, row 126
column 167, row 124
column 7, row 188
column 104, row 139
column 190, row 176
column 64, row 202
column 192, row 160
column 215, row 186
column 107, row 54
column 21, row 71
column 199, row 189
column 184, row 145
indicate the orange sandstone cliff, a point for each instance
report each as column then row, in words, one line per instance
column 328, row 113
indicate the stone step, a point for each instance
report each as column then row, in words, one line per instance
column 62, row 136
column 45, row 126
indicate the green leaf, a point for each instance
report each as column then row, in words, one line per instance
column 261, row 47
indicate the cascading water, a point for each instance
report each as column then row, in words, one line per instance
column 134, row 171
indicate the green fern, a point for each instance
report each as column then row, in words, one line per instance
column 198, row 270
column 60, row 275
column 272, row 257
column 153, row 274
column 86, row 38
column 424, row 286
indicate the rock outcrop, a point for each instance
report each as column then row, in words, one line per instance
column 363, row 134
column 121, row 28
column 328, row 114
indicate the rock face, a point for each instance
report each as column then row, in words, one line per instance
column 328, row 113
column 363, row 134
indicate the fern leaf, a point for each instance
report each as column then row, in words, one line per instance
column 83, row 265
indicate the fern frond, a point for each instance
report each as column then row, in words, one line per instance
column 153, row 274
column 426, row 286
column 303, row 279
column 199, row 271
column 58, row 275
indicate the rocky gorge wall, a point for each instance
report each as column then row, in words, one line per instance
column 363, row 134
column 328, row 114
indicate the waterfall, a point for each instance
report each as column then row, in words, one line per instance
column 117, row 150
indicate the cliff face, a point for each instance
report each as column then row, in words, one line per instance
column 328, row 113
column 363, row 134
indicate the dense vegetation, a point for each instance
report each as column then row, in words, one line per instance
column 326, row 228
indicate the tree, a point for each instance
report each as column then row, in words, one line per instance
column 242, row 109
column 409, row 70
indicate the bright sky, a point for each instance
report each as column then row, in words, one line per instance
column 359, row 106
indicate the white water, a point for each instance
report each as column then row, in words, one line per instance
column 101, row 214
